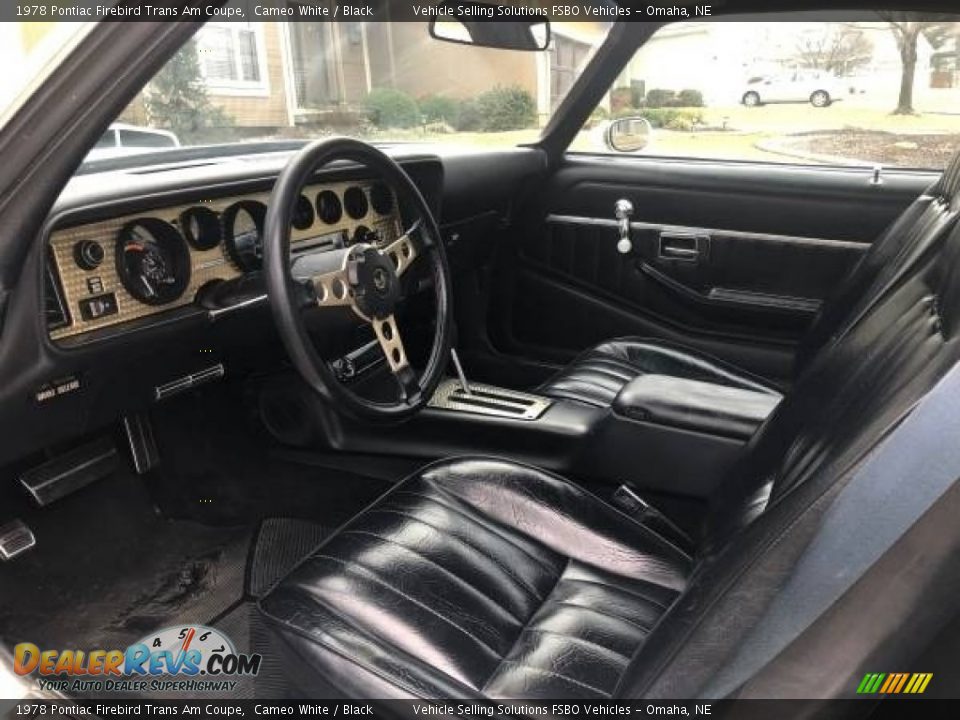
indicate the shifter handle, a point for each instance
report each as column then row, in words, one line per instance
column 623, row 210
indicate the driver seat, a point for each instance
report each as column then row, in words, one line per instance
column 483, row 578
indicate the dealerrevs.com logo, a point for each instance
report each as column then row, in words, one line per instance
column 183, row 658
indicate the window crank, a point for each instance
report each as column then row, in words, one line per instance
column 623, row 209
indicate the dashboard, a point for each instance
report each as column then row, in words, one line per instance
column 137, row 266
column 84, row 347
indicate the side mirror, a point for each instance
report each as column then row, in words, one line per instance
column 469, row 23
column 627, row 135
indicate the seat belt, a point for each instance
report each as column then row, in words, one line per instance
column 865, row 520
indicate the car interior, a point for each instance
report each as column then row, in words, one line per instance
column 416, row 421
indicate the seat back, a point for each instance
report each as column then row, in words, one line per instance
column 888, row 257
column 852, row 395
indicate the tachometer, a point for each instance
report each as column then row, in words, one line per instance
column 243, row 228
column 153, row 261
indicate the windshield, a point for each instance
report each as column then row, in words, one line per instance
column 245, row 82
column 28, row 50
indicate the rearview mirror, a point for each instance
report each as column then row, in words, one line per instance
column 476, row 23
column 629, row 134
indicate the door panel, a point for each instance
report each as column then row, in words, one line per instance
column 733, row 259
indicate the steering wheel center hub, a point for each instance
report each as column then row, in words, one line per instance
column 373, row 280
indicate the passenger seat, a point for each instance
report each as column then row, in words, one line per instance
column 597, row 375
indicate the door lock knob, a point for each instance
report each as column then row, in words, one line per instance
column 623, row 211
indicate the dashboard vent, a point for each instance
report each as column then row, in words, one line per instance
column 54, row 308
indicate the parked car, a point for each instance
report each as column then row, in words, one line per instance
column 124, row 139
column 820, row 89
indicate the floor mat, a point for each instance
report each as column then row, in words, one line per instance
column 281, row 543
column 107, row 569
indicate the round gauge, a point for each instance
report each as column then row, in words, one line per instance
column 153, row 261
column 303, row 214
column 329, row 208
column 243, row 230
column 381, row 198
column 355, row 202
column 201, row 227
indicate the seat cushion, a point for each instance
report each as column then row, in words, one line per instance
column 597, row 375
column 476, row 577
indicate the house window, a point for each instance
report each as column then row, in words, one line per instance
column 232, row 57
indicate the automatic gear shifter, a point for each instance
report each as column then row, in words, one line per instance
column 460, row 374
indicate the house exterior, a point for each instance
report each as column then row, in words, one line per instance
column 271, row 75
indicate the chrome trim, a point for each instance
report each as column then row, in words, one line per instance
column 175, row 387
column 488, row 400
column 693, row 230
column 15, row 539
column 214, row 313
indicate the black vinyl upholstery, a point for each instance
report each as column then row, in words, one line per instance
column 543, row 590
column 485, row 578
column 598, row 374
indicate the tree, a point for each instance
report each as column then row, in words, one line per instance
column 838, row 49
column 176, row 98
column 907, row 29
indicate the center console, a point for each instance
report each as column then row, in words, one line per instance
column 662, row 433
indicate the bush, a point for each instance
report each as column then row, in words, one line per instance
column 390, row 108
column 598, row 115
column 506, row 108
column 622, row 97
column 468, row 116
column 685, row 119
column 659, row 97
column 439, row 108
column 690, row 98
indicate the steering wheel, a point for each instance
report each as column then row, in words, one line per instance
column 362, row 277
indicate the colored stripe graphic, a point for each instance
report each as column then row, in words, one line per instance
column 894, row 683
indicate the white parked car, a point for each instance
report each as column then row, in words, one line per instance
column 818, row 88
column 124, row 139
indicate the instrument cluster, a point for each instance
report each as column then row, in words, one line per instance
column 127, row 268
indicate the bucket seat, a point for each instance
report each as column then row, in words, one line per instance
column 598, row 374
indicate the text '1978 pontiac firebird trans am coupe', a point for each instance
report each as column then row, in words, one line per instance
column 477, row 356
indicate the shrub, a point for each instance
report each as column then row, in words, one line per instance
column 598, row 115
column 439, row 108
column 506, row 108
column 690, row 98
column 667, row 118
column 659, row 97
column 468, row 116
column 390, row 108
column 621, row 97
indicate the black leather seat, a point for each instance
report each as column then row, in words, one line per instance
column 484, row 578
column 597, row 375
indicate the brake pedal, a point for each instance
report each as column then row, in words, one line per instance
column 15, row 539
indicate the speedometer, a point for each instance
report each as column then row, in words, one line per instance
column 153, row 261
column 243, row 230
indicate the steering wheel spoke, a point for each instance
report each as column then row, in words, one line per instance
column 388, row 335
column 403, row 250
column 332, row 289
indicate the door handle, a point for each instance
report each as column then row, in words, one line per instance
column 689, row 247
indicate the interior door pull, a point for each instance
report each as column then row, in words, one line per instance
column 682, row 246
